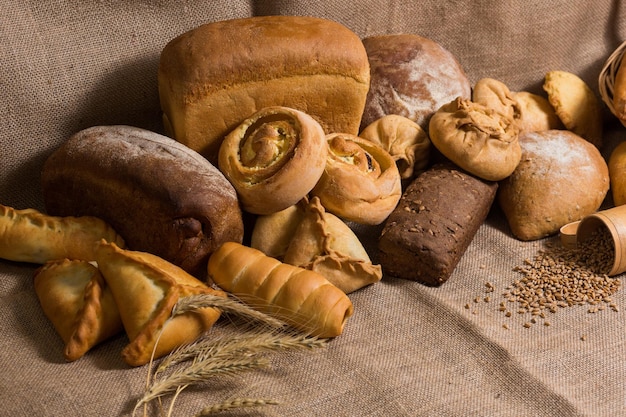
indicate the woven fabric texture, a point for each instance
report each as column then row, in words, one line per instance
column 409, row 350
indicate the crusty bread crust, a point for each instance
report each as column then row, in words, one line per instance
column 160, row 196
column 215, row 76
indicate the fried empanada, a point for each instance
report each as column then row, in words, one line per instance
column 31, row 236
column 146, row 288
column 325, row 244
column 78, row 302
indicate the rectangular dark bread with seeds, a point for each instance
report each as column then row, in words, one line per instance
column 436, row 219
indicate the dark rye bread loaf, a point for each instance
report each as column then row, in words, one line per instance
column 436, row 219
column 159, row 195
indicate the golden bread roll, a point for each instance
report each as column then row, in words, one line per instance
column 361, row 182
column 530, row 112
column 411, row 76
column 560, row 179
column 405, row 141
column 272, row 233
column 79, row 303
column 274, row 158
column 325, row 244
column 28, row 235
column 478, row 139
column 215, row 76
column 619, row 91
column 496, row 95
column 536, row 113
column 159, row 195
column 617, row 174
column 576, row 105
column 297, row 296
column 146, row 288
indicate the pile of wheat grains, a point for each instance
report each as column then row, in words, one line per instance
column 558, row 277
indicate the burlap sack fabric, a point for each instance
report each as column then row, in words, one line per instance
column 408, row 350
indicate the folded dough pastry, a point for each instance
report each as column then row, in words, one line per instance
column 31, row 236
column 496, row 95
column 79, row 303
column 361, row 182
column 274, row 158
column 530, row 112
column 536, row 113
column 302, row 298
column 482, row 141
column 324, row 243
column 576, row 105
column 404, row 139
column 146, row 288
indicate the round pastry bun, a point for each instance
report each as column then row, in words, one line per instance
column 274, row 158
column 361, row 182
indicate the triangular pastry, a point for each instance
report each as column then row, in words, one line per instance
column 76, row 299
column 325, row 244
column 31, row 236
column 146, row 288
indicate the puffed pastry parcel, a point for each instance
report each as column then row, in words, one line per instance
column 28, row 235
column 146, row 288
column 79, row 303
column 308, row 236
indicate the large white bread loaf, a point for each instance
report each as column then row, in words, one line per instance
column 218, row 74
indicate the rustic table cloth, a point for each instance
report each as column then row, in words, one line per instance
column 409, row 350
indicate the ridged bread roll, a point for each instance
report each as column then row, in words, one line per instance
column 274, row 158
column 159, row 195
column 213, row 77
column 297, row 296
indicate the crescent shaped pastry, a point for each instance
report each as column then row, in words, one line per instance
column 324, row 243
column 78, row 302
column 31, row 236
column 302, row 298
column 361, row 182
column 405, row 141
column 274, row 158
column 146, row 288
